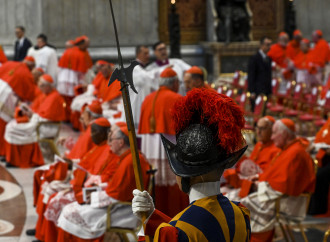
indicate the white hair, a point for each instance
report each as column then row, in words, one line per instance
column 283, row 127
column 167, row 81
column 268, row 122
column 46, row 82
column 94, row 115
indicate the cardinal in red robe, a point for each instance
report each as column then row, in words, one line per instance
column 22, row 148
column 3, row 57
column 73, row 64
column 293, row 47
column 156, row 119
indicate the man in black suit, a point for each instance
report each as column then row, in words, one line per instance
column 260, row 71
column 22, row 44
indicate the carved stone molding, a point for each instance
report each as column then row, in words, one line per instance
column 230, row 57
column 192, row 20
column 267, row 19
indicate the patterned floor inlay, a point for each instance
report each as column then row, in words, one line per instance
column 12, row 205
column 5, row 227
column 10, row 190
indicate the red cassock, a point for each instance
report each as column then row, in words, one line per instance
column 24, row 156
column 278, row 54
column 97, row 81
column 108, row 93
column 50, row 107
column 2, row 139
column 262, row 155
column 102, row 91
column 322, row 136
column 320, row 53
column 37, row 92
column 301, row 60
column 307, row 62
column 118, row 188
column 83, row 145
column 156, row 119
column 99, row 161
column 76, row 59
column 122, row 189
column 158, row 105
column 292, row 172
column 3, row 57
column 75, row 115
column 19, row 78
column 57, row 171
column 94, row 158
column 293, row 49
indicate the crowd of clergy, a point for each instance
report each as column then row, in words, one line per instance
column 301, row 59
column 73, row 191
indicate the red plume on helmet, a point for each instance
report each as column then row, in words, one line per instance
column 217, row 111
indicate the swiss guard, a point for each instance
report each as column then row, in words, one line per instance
column 208, row 140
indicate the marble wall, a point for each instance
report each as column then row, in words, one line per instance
column 19, row 12
column 60, row 20
column 311, row 15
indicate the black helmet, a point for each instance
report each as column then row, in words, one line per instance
column 196, row 152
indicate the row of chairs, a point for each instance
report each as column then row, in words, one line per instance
column 302, row 104
column 243, row 99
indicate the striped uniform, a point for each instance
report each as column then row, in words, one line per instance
column 213, row 218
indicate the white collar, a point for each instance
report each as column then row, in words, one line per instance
column 262, row 54
column 201, row 190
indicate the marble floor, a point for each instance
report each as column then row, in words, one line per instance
column 22, row 218
column 18, row 209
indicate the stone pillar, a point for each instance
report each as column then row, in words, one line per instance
column 210, row 21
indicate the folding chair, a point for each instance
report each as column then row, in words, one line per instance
column 222, row 89
column 324, row 112
column 326, row 235
column 231, row 93
column 259, row 109
column 243, row 100
column 50, row 137
column 121, row 231
column 288, row 219
column 310, row 110
column 276, row 108
column 123, row 209
column 294, row 106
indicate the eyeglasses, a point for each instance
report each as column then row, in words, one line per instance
column 261, row 128
column 111, row 139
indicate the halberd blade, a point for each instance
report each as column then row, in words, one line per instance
column 116, row 75
column 129, row 74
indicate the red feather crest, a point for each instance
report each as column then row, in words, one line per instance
column 211, row 109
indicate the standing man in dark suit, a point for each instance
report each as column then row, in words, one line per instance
column 22, row 44
column 260, row 71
